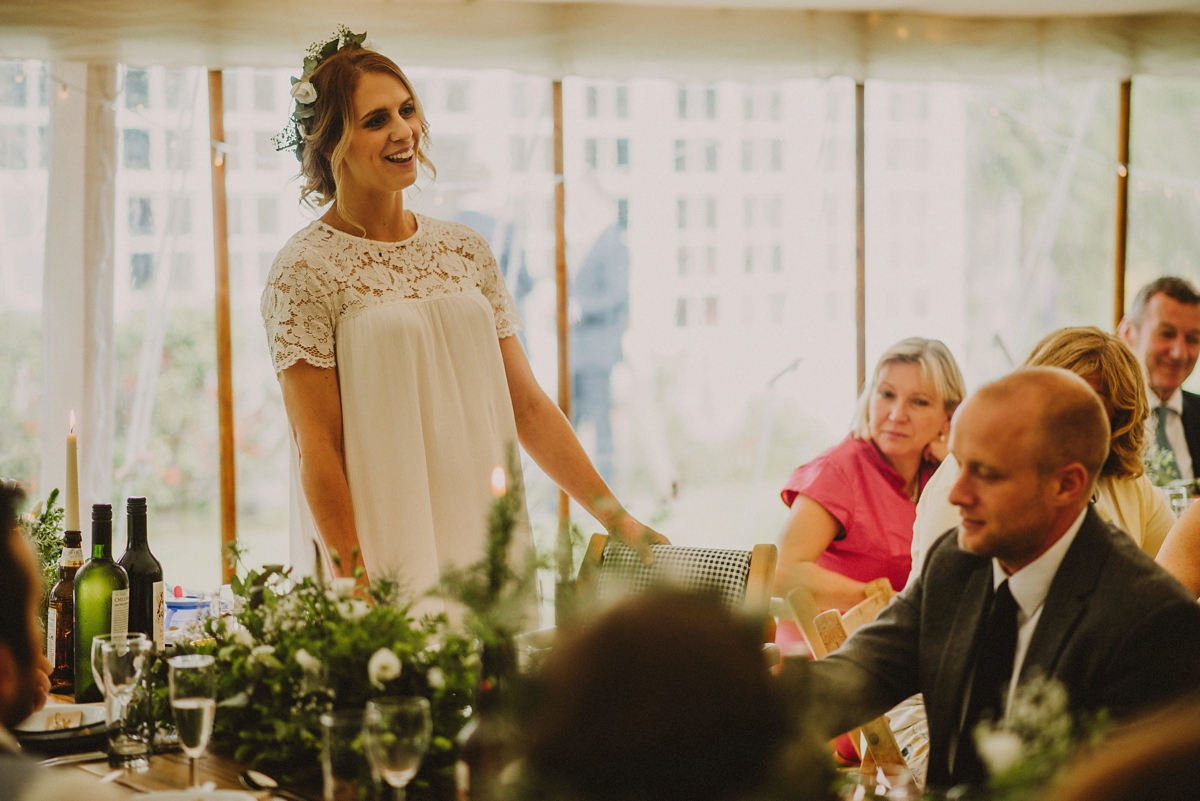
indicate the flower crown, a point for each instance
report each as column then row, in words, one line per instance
column 305, row 94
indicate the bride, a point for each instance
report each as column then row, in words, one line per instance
column 393, row 338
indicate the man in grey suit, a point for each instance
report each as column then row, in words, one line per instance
column 1032, row 582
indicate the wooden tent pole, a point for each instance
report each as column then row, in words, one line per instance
column 216, row 122
column 563, row 550
column 1122, row 202
column 860, row 233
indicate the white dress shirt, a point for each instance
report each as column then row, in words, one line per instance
column 1175, row 433
column 1029, row 587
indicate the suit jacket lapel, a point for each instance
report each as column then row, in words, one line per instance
column 1067, row 598
column 945, row 705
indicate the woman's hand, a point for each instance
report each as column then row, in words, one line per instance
column 636, row 535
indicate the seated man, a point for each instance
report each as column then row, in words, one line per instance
column 21, row 676
column 1035, row 582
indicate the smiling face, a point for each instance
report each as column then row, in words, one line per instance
column 384, row 134
column 1166, row 342
column 905, row 414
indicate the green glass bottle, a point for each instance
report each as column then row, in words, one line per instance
column 146, row 603
column 101, row 602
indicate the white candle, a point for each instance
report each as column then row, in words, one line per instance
column 71, row 495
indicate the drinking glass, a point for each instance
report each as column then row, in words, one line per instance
column 397, row 733
column 119, row 660
column 193, row 688
column 346, row 772
column 880, row 782
column 1177, row 497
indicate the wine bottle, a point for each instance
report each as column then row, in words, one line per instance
column 147, row 607
column 101, row 602
column 60, row 619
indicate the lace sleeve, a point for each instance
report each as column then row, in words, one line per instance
column 297, row 314
column 491, row 283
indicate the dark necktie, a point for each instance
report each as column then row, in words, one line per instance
column 995, row 650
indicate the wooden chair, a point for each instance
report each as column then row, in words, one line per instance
column 825, row 632
column 740, row 580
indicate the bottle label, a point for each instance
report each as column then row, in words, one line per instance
column 51, row 635
column 160, row 613
column 72, row 557
column 120, row 612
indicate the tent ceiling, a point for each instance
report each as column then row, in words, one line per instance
column 678, row 39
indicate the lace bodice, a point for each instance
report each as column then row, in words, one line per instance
column 323, row 276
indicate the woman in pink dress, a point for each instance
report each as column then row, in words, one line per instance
column 853, row 506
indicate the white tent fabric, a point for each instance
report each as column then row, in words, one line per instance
column 678, row 39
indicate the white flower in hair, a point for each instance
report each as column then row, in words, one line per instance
column 304, row 92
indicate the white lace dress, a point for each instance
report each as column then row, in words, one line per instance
column 413, row 328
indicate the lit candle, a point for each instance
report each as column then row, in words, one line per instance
column 499, row 481
column 71, row 496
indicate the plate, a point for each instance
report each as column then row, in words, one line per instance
column 197, row 795
column 89, row 735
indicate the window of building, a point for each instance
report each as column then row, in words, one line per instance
column 776, row 104
column 710, row 212
column 43, row 147
column 589, row 152
column 681, row 102
column 623, row 213
column 264, row 91
column 774, row 211
column 137, row 90
column 747, row 155
column 776, row 258
column 776, row 155
column 710, row 103
column 13, row 153
column 681, row 214
column 141, row 269
column 710, row 259
column 622, row 152
column 681, row 312
column 592, row 106
column 681, row 261
column 748, row 259
column 135, row 149
column 141, row 216
column 710, row 310
column 622, row 101
column 13, row 84
column 680, row 155
column 710, row 157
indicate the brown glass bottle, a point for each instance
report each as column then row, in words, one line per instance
column 60, row 620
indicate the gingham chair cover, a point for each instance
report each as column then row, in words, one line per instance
column 709, row 571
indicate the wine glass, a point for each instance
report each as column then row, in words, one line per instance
column 397, row 735
column 193, row 689
column 118, row 661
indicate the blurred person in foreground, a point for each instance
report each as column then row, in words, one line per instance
column 1124, row 495
column 23, row 681
column 1163, row 330
column 853, row 506
column 1033, row 581
column 1153, row 759
column 666, row 697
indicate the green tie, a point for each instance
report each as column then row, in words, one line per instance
column 1170, row 467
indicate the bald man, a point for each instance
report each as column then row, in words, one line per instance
column 1032, row 583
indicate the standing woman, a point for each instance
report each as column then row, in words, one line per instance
column 392, row 335
column 853, row 506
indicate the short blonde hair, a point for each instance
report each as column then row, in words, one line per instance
column 1087, row 351
column 939, row 372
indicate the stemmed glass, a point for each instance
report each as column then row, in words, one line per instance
column 118, row 661
column 193, row 688
column 397, row 732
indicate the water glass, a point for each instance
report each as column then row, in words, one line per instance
column 193, row 692
column 346, row 772
column 880, row 782
column 398, row 731
column 1178, row 498
column 119, row 661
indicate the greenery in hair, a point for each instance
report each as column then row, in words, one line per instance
column 292, row 136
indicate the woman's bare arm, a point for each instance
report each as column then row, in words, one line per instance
column 314, row 409
column 548, row 437
column 1180, row 551
column 809, row 530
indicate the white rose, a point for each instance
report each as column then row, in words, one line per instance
column 243, row 637
column 356, row 610
column 384, row 666
column 307, row 661
column 343, row 588
column 436, row 678
column 304, row 92
column 999, row 750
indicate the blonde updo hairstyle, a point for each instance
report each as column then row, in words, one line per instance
column 327, row 133
column 939, row 373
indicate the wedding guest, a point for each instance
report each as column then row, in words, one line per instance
column 853, row 506
column 1163, row 330
column 23, row 681
column 1156, row 758
column 1180, row 552
column 1032, row 582
column 393, row 337
column 665, row 697
column 1124, row 495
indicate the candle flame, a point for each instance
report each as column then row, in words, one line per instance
column 499, row 481
column 72, row 431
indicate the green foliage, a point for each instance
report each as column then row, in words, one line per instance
column 44, row 527
column 294, row 650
